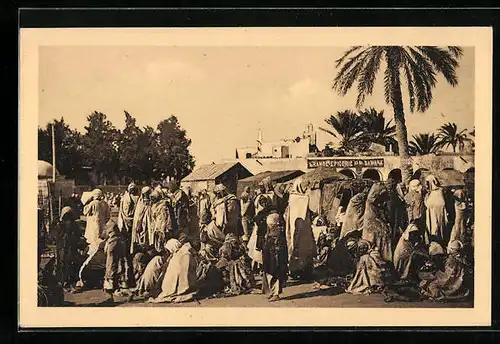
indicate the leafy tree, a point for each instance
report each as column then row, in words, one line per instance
column 101, row 146
column 68, row 147
column 423, row 144
column 133, row 154
column 132, row 151
column 449, row 135
column 148, row 142
column 347, row 127
column 174, row 158
column 419, row 66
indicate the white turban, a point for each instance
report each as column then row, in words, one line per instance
column 173, row 245
column 97, row 193
column 219, row 188
column 414, row 184
column 454, row 246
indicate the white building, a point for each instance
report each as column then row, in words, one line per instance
column 298, row 147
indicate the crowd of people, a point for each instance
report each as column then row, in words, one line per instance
column 168, row 245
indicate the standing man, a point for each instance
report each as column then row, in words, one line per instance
column 118, row 274
column 204, row 205
column 97, row 211
column 226, row 212
column 126, row 212
column 98, row 214
column 127, row 206
column 274, row 256
column 141, row 221
column 247, row 214
column 161, row 221
column 180, row 204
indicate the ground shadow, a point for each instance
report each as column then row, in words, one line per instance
column 324, row 292
column 105, row 303
column 292, row 283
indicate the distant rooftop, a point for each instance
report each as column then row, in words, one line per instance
column 209, row 171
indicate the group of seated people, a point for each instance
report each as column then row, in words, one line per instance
column 428, row 259
column 219, row 258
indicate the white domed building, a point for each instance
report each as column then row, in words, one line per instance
column 45, row 170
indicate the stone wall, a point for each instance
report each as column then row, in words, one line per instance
column 430, row 162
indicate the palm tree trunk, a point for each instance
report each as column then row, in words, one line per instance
column 401, row 134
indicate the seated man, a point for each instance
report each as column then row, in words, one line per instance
column 372, row 272
column 448, row 284
column 234, row 265
column 180, row 281
column 149, row 284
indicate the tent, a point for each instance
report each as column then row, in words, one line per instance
column 328, row 190
column 278, row 177
column 320, row 176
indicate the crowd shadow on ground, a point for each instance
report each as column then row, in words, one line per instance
column 319, row 292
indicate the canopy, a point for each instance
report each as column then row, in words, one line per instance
column 276, row 176
column 320, row 176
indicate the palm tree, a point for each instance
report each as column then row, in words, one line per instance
column 376, row 129
column 449, row 135
column 423, row 144
column 347, row 128
column 419, row 66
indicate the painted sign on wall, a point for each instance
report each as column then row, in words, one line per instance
column 346, row 163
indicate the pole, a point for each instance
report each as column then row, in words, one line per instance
column 53, row 154
column 60, row 202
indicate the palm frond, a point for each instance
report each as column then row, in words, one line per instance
column 346, row 54
column 457, row 52
column 328, row 132
column 425, row 66
column 367, row 77
column 421, row 83
column 442, row 61
column 423, row 144
column 349, row 73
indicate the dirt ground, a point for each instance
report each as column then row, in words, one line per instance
column 294, row 295
column 298, row 295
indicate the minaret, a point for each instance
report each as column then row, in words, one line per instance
column 312, row 134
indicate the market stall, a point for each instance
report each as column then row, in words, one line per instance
column 277, row 177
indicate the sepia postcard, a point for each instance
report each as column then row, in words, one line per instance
column 256, row 177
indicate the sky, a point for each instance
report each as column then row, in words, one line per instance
column 223, row 95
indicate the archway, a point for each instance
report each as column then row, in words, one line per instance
column 418, row 173
column 396, row 175
column 347, row 172
column 372, row 174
